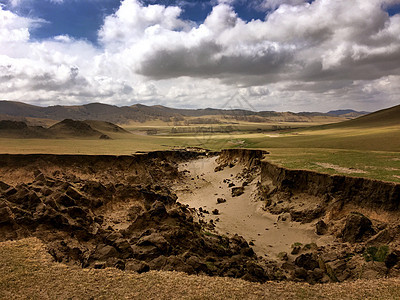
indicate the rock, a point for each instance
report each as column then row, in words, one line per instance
column 283, row 256
column 28, row 199
column 65, row 200
column 231, row 184
column 103, row 252
column 99, row 265
column 197, row 264
column 237, row 191
column 6, row 216
column 307, row 215
column 337, row 270
column 76, row 212
column 295, row 250
column 392, row 259
column 114, row 262
column 158, row 209
column 155, row 239
column 385, row 236
column 307, row 261
column 219, row 167
column 73, row 193
column 321, row 227
column 10, row 191
column 357, row 227
column 300, row 273
column 99, row 219
column 177, row 263
column 215, row 212
column 4, row 186
column 136, row 266
column 94, row 188
column 221, row 200
column 104, row 137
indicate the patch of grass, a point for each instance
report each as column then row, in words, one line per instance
column 297, row 244
column 378, row 254
column 379, row 165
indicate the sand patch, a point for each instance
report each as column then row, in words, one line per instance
column 243, row 214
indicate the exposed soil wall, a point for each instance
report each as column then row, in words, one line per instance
column 358, row 191
column 247, row 157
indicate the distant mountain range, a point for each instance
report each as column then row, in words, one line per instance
column 10, row 110
column 347, row 113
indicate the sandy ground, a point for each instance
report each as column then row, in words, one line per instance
column 242, row 215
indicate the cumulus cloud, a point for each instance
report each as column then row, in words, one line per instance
column 304, row 54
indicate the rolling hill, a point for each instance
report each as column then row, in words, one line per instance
column 142, row 113
column 67, row 128
column 384, row 117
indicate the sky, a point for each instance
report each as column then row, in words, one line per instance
column 282, row 55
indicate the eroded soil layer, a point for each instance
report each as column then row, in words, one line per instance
column 202, row 213
column 110, row 211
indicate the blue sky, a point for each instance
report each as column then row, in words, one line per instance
column 278, row 54
column 82, row 19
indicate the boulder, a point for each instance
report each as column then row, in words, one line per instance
column 4, row 186
column 155, row 239
column 158, row 210
column 103, row 252
column 237, row 191
column 321, row 227
column 6, row 216
column 136, row 266
column 306, row 261
column 357, row 227
column 221, row 200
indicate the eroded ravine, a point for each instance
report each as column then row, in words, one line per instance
column 243, row 214
column 153, row 211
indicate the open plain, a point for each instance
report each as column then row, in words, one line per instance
column 305, row 215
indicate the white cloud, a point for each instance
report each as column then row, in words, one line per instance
column 303, row 56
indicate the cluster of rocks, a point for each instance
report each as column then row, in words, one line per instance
column 361, row 250
column 72, row 216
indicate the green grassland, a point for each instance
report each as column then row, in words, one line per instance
column 368, row 146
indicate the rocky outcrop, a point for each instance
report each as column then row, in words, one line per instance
column 116, row 211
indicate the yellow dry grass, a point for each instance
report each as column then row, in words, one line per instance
column 28, row 272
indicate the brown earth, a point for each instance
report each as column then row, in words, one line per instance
column 122, row 212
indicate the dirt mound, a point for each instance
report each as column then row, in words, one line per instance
column 19, row 129
column 64, row 129
column 103, row 126
column 72, row 128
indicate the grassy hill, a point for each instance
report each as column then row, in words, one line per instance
column 382, row 118
column 142, row 113
column 67, row 128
